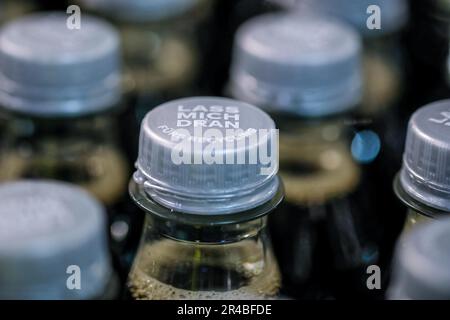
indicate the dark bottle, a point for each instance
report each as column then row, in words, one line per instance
column 60, row 100
column 10, row 9
column 53, row 243
column 384, row 64
column 379, row 122
column 45, row 5
column 387, row 74
column 422, row 264
column 160, row 46
column 427, row 42
column 227, row 17
column 58, row 91
column 204, row 183
column 423, row 183
column 306, row 71
column 439, row 13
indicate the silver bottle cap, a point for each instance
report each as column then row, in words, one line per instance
column 208, row 155
column 140, row 10
column 305, row 65
column 51, row 232
column 425, row 173
column 422, row 263
column 47, row 69
column 393, row 13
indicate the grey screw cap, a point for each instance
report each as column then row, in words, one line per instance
column 305, row 65
column 425, row 174
column 422, row 263
column 47, row 70
column 222, row 169
column 140, row 10
column 45, row 227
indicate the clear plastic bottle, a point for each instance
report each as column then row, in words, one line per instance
column 427, row 41
column 53, row 243
column 10, row 9
column 438, row 28
column 160, row 47
column 59, row 93
column 306, row 71
column 205, row 233
column 433, row 50
column 228, row 16
column 383, row 62
column 423, row 183
column 422, row 264
column 380, row 120
column 60, row 101
column 384, row 66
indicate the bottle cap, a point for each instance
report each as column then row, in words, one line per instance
column 393, row 13
column 51, row 233
column 208, row 155
column 141, row 10
column 422, row 260
column 305, row 65
column 47, row 69
column 425, row 174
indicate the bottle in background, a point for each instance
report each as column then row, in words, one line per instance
column 422, row 264
column 60, row 98
column 379, row 122
column 427, row 43
column 10, row 9
column 306, row 71
column 160, row 46
column 227, row 17
column 384, row 63
column 440, row 15
column 423, row 184
column 206, row 193
column 53, row 243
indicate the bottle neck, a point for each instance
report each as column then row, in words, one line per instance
column 204, row 227
column 24, row 126
column 233, row 262
column 415, row 218
column 203, row 256
column 207, row 234
column 82, row 150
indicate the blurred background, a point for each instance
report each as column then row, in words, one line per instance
column 350, row 116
